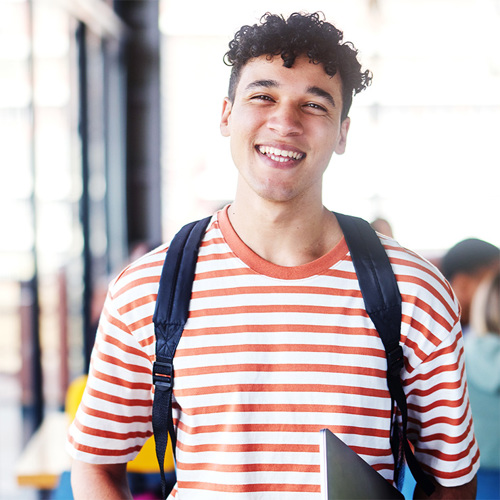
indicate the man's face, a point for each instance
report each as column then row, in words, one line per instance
column 284, row 126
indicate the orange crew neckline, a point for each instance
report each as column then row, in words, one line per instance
column 262, row 266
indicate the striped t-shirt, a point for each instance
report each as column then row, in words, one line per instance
column 269, row 356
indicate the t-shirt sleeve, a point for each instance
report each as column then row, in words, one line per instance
column 440, row 423
column 113, row 420
column 439, row 414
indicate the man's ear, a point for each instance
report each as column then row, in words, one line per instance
column 224, row 121
column 344, row 128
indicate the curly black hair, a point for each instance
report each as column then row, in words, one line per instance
column 300, row 34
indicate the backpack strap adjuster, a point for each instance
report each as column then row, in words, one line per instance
column 395, row 360
column 163, row 375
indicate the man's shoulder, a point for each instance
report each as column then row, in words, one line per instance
column 427, row 297
column 142, row 271
column 147, row 268
column 419, row 278
column 410, row 262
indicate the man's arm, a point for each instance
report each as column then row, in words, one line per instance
column 106, row 482
column 464, row 492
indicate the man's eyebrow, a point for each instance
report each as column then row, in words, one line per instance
column 262, row 83
column 319, row 92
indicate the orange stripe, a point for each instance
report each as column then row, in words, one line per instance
column 306, row 348
column 248, row 488
column 436, row 388
column 415, row 265
column 252, row 290
column 155, row 279
column 212, row 240
column 133, row 268
column 272, row 368
column 113, row 321
column 144, row 300
column 248, row 448
column 109, row 339
column 112, row 435
column 265, row 388
column 119, row 381
column 257, row 467
column 419, row 327
column 278, row 308
column 425, row 307
column 224, row 273
column 346, row 275
column 120, row 401
column 446, row 438
column 439, row 421
column 428, row 376
column 288, row 408
column 372, row 452
column 213, row 257
column 384, row 467
column 445, row 457
column 425, row 285
column 441, row 369
column 450, row 349
column 441, row 403
column 148, row 320
column 118, row 362
column 115, row 418
column 454, row 474
column 246, row 328
column 102, row 452
column 146, row 342
column 297, row 428
column 236, row 468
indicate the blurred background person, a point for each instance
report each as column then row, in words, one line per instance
column 482, row 355
column 465, row 265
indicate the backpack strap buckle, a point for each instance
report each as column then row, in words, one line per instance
column 163, row 375
column 395, row 360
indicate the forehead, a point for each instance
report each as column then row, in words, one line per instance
column 302, row 75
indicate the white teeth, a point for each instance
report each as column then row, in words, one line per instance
column 280, row 155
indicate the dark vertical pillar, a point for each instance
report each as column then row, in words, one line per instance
column 32, row 402
column 142, row 53
column 34, row 408
column 83, row 128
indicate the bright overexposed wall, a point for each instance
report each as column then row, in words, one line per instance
column 422, row 148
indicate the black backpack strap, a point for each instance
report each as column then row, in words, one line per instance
column 170, row 316
column 382, row 299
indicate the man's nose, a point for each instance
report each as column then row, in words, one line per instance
column 286, row 120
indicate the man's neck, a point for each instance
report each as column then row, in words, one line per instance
column 285, row 235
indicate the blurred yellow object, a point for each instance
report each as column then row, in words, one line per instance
column 74, row 396
column 145, row 461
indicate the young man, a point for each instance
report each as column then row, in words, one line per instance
column 278, row 344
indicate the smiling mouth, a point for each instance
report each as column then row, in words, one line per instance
column 280, row 155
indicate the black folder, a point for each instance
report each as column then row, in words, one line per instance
column 345, row 475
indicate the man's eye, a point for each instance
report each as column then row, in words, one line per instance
column 316, row 107
column 262, row 98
